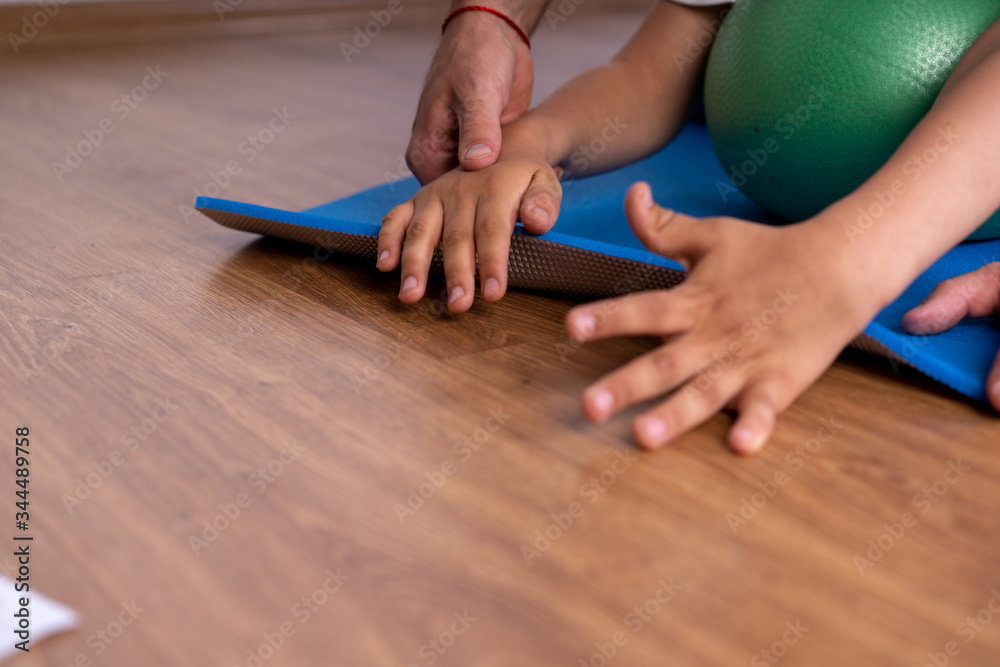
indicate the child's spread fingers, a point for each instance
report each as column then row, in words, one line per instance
column 689, row 407
column 459, row 254
column 648, row 376
column 645, row 313
column 668, row 233
column 494, row 226
column 540, row 203
column 390, row 236
column 422, row 236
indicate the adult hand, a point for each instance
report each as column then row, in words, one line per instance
column 471, row 215
column 975, row 294
column 481, row 78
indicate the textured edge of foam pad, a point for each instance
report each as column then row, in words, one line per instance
column 534, row 264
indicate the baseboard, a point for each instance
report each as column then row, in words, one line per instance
column 46, row 24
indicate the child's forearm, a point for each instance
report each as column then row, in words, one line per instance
column 938, row 187
column 628, row 108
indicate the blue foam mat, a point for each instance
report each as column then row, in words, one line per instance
column 686, row 176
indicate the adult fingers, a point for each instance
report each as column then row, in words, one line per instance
column 975, row 294
column 431, row 151
column 479, row 128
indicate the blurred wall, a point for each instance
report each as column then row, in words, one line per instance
column 61, row 23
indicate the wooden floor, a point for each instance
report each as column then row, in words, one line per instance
column 229, row 374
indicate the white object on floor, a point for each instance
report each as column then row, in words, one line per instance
column 48, row 617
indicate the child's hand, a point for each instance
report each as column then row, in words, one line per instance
column 762, row 313
column 975, row 294
column 471, row 214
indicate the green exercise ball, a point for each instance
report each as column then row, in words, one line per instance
column 806, row 99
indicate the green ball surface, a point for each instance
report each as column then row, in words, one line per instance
column 806, row 99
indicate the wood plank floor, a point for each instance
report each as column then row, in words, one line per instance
column 173, row 372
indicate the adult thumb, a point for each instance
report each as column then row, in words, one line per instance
column 479, row 135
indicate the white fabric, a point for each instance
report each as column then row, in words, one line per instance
column 48, row 617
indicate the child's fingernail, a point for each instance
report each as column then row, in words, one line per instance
column 455, row 294
column 653, row 431
column 747, row 441
column 742, row 439
column 647, row 198
column 381, row 257
column 478, row 151
column 408, row 284
column 538, row 214
column 490, row 287
column 603, row 402
column 584, row 327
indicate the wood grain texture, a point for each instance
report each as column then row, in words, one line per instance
column 115, row 298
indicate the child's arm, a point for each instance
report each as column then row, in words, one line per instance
column 764, row 311
column 634, row 104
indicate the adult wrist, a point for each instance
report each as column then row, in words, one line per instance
column 525, row 13
column 495, row 16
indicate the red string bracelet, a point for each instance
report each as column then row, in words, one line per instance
column 479, row 8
